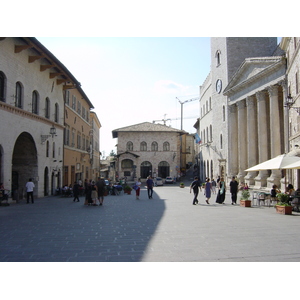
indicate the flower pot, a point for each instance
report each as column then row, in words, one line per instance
column 245, row 203
column 127, row 192
column 182, row 185
column 284, row 210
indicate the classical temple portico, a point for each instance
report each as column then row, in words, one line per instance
column 256, row 96
column 259, row 136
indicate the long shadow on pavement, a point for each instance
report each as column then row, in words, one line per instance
column 56, row 229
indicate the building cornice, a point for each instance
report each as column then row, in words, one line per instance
column 25, row 114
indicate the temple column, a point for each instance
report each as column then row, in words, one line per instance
column 262, row 132
column 274, row 133
column 242, row 139
column 252, row 141
column 233, row 141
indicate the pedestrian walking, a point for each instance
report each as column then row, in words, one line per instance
column 101, row 189
column 76, row 187
column 89, row 192
column 29, row 188
column 138, row 189
column 94, row 194
column 221, row 193
column 150, row 184
column 207, row 190
column 233, row 190
column 213, row 186
column 195, row 185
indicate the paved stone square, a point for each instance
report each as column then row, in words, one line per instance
column 167, row 228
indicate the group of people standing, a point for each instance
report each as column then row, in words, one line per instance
column 209, row 188
column 94, row 191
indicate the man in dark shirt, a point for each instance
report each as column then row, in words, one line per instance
column 150, row 184
column 233, row 190
column 195, row 185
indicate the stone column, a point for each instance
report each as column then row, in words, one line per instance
column 233, row 141
column 274, row 133
column 252, row 142
column 242, row 139
column 262, row 131
column 286, row 126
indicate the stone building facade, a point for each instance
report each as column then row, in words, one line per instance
column 33, row 86
column 256, row 95
column 291, row 46
column 94, row 152
column 221, row 152
column 148, row 149
column 77, row 137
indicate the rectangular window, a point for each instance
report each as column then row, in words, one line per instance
column 73, row 102
column 68, row 97
column 79, row 107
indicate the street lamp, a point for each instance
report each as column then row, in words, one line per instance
column 53, row 131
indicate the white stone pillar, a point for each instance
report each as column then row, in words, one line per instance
column 262, row 131
column 233, row 141
column 252, row 141
column 274, row 133
column 242, row 139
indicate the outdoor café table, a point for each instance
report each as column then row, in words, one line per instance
column 263, row 196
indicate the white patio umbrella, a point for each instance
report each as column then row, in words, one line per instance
column 295, row 165
column 279, row 162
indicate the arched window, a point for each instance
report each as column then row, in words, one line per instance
column 207, row 136
column 223, row 113
column 47, row 108
column 56, row 114
column 19, row 95
column 129, row 146
column 221, row 141
column 2, row 87
column 210, row 135
column 207, row 166
column 47, row 149
column 218, row 57
column 34, row 104
column 166, row 146
column 53, row 150
column 154, row 146
column 143, row 146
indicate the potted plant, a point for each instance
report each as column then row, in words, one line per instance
column 244, row 201
column 283, row 207
column 127, row 189
column 181, row 185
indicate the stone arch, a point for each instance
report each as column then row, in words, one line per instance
column 163, row 169
column 24, row 163
column 146, row 169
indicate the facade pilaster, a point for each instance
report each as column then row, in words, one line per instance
column 233, row 141
column 252, row 145
column 242, row 138
column 262, row 127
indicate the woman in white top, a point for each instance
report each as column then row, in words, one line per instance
column 138, row 188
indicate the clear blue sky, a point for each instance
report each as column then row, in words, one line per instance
column 133, row 80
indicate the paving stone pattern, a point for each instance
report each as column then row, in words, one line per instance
column 165, row 228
